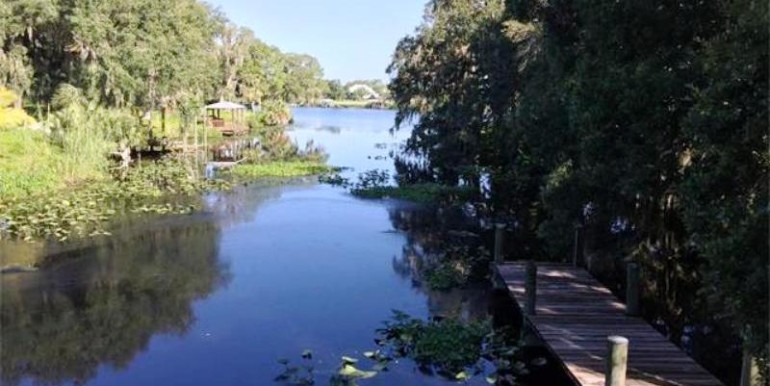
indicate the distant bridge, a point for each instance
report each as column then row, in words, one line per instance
column 370, row 93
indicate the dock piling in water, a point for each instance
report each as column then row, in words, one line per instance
column 577, row 253
column 530, row 288
column 499, row 240
column 617, row 361
column 749, row 370
column 632, row 289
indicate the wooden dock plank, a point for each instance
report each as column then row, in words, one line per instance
column 574, row 316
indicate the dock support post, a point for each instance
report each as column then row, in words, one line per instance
column 577, row 253
column 617, row 358
column 749, row 370
column 499, row 240
column 632, row 289
column 530, row 288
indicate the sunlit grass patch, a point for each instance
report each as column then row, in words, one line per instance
column 28, row 163
column 279, row 169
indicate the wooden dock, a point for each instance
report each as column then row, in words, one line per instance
column 223, row 164
column 575, row 314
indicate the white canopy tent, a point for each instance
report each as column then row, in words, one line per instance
column 213, row 115
column 235, row 124
column 225, row 105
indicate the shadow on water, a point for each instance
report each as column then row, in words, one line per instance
column 59, row 324
column 429, row 232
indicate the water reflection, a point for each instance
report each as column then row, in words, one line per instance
column 61, row 323
column 242, row 203
column 429, row 233
column 312, row 268
column 330, row 129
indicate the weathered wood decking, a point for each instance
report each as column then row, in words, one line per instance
column 574, row 316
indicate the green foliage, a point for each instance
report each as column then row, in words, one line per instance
column 246, row 172
column 273, row 113
column 450, row 348
column 77, row 148
column 277, row 146
column 445, row 276
column 299, row 375
column 434, row 80
column 375, row 184
column 7, row 97
column 11, row 118
column 86, row 136
column 335, row 90
column 61, row 186
column 304, row 79
column 449, row 345
column 456, row 266
column 427, row 193
column 725, row 187
column 302, row 375
column 645, row 121
column 28, row 163
column 347, row 374
column 371, row 179
column 146, row 54
column 453, row 349
column 159, row 188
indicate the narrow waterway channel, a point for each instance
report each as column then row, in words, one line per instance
column 217, row 298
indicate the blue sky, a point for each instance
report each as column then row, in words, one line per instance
column 353, row 39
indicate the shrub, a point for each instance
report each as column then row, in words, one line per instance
column 11, row 118
column 274, row 113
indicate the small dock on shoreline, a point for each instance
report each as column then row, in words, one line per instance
column 223, row 164
column 575, row 316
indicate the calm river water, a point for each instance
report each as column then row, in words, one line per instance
column 217, row 298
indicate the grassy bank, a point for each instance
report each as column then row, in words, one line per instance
column 87, row 208
column 28, row 164
column 63, row 212
column 57, row 181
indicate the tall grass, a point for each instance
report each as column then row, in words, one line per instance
column 71, row 147
column 28, row 163
column 84, row 141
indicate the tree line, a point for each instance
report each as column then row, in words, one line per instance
column 646, row 122
column 144, row 54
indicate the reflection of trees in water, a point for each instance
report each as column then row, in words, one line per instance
column 429, row 232
column 329, row 129
column 240, row 204
column 102, row 307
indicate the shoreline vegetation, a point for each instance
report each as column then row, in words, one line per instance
column 86, row 91
column 376, row 184
column 57, row 181
column 640, row 126
column 353, row 104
